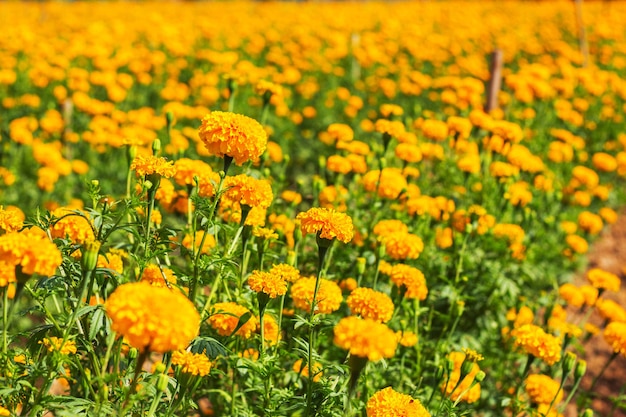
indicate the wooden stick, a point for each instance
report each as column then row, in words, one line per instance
column 495, row 80
column 582, row 33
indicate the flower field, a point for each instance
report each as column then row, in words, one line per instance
column 307, row 209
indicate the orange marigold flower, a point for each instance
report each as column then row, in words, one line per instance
column 365, row 338
column 535, row 341
column 192, row 363
column 71, row 225
column 453, row 388
column 572, row 295
column 610, row 310
column 334, row 196
column 285, row 272
column 406, row 338
column 411, row 278
column 435, row 129
column 291, row 197
column 113, row 260
column 248, row 191
column 55, row 344
column 603, row 280
column 370, row 304
column 386, row 227
column 271, row 284
column 157, row 276
column 400, row 246
column 577, row 243
column 208, row 244
column 389, row 403
column 388, row 185
column 187, row 169
column 327, row 224
column 603, row 161
column 170, row 326
column 9, row 220
column 339, row 164
column 270, row 329
column 590, row 222
column 33, row 252
column 304, row 370
column 150, row 164
column 543, row 390
column 234, row 135
column 225, row 318
column 443, row 237
column 328, row 299
column 615, row 335
column 408, row 152
column 520, row 317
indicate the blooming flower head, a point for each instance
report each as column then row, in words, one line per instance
column 151, row 318
column 248, row 191
column 388, row 185
column 590, row 222
column 407, row 338
column 615, row 336
column 400, row 246
column 535, row 341
column 370, row 304
column 157, row 276
column 286, row 272
column 603, row 280
column 328, row 299
column 327, row 224
column 10, row 221
column 543, row 390
column 304, row 370
column 271, row 330
column 365, row 338
column 225, row 318
column 610, row 310
column 389, row 403
column 571, row 294
column 191, row 363
column 456, row 390
column 409, row 277
column 150, row 164
column 72, row 226
column 192, row 243
column 386, row 227
column 265, row 282
column 233, row 135
column 56, row 344
column 31, row 251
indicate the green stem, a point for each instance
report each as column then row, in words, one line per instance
column 5, row 320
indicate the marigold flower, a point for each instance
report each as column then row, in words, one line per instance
column 520, row 317
column 234, row 135
column 400, row 246
column 328, row 299
column 286, row 272
column 406, row 338
column 542, row 389
column 291, row 197
column 453, row 388
column 386, row 227
column 270, row 329
column 615, row 336
column 171, row 326
column 603, row 161
column 327, row 224
column 34, row 253
column 590, row 222
column 304, row 370
column 610, row 310
column 271, row 284
column 370, row 304
column 225, row 318
column 535, row 341
column 71, row 225
column 157, row 276
column 603, row 280
column 389, row 403
column 365, row 338
column 435, row 129
column 501, row 169
column 150, row 164
column 443, row 237
column 408, row 152
column 4, row 412
column 411, row 278
column 388, row 185
column 192, row 363
column 334, row 196
column 208, row 244
column 112, row 260
column 248, row 191
column 53, row 344
column 9, row 220
column 339, row 164
column 571, row 294
column 577, row 243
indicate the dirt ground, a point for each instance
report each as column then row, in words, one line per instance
column 608, row 253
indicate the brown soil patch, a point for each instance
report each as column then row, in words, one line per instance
column 608, row 253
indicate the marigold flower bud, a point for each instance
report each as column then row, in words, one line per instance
column 89, row 260
column 162, row 382
column 587, row 413
column 581, row 369
column 569, row 362
column 480, row 376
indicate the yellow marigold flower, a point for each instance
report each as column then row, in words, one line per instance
column 225, row 317
column 348, row 284
column 31, row 251
column 577, row 243
column 150, row 164
column 572, row 295
column 501, row 169
column 469, row 162
column 192, row 363
column 248, row 191
column 586, row 176
column 234, row 135
column 535, row 341
column 274, row 151
column 4, row 412
column 610, row 310
column 435, row 129
column 151, row 318
column 542, row 389
column 7, row 273
column 603, row 161
column 408, row 152
column 270, row 329
column 391, row 110
column 386, row 227
column 400, row 246
column 519, row 318
column 388, row 185
column 113, row 260
column 443, row 237
column 53, row 344
column 249, row 353
column 519, row 194
column 339, row 132
column 304, row 370
column 208, row 244
column 608, row 215
column 603, row 280
column 328, row 299
column 291, row 197
column 406, row 338
column 590, row 222
column 365, row 338
column 389, row 403
column 285, row 272
column 590, row 293
column 339, row 164
column 411, row 278
column 9, row 220
column 394, row 129
column 334, row 196
column 370, row 304
column 157, row 276
column 453, row 388
column 187, row 169
column 267, row 283
column 327, row 224
column 72, row 226
column 615, row 336
column 264, row 233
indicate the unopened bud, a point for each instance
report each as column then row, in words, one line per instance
column 581, row 369
column 162, row 382
column 466, row 367
column 89, row 259
column 569, row 362
column 360, row 265
column 587, row 413
column 156, row 146
column 480, row 376
column 132, row 353
column 160, row 368
column 291, row 258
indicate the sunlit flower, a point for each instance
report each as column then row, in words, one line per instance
column 268, row 283
column 603, row 280
column 401, row 246
column 225, row 317
column 152, row 318
column 542, row 389
column 388, row 185
column 389, row 403
column 191, row 363
column 234, row 135
column 412, row 279
column 150, row 164
column 32, row 252
column 285, row 272
column 615, row 336
column 327, row 223
column 535, row 341
column 304, row 370
column 370, row 304
column 71, row 225
column 328, row 299
column 55, row 344
column 365, row 338
column 158, row 276
column 610, row 310
column 10, row 220
column 456, row 390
